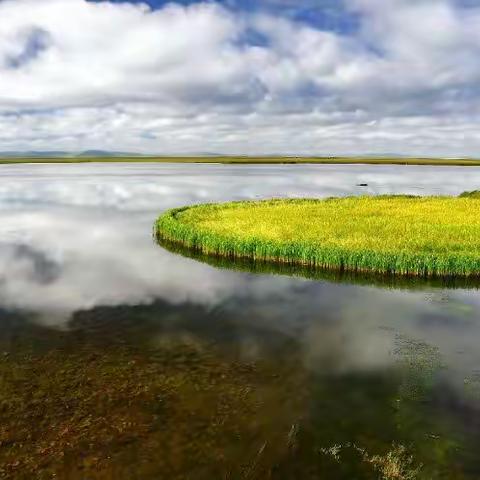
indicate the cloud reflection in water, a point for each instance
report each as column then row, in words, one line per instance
column 75, row 237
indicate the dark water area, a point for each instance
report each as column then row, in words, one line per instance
column 120, row 359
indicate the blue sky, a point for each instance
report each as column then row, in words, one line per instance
column 327, row 14
column 311, row 77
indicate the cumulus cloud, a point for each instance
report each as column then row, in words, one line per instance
column 78, row 75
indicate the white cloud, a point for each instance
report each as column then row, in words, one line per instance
column 79, row 75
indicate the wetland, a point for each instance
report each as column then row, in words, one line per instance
column 120, row 358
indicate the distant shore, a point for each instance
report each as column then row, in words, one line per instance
column 251, row 160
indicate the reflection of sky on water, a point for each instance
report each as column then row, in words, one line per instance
column 78, row 236
column 148, row 187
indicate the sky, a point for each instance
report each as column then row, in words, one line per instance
column 250, row 77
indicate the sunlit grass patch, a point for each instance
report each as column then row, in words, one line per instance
column 407, row 235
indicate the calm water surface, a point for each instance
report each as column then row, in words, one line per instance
column 121, row 360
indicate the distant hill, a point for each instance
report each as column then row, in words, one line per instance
column 105, row 153
column 62, row 154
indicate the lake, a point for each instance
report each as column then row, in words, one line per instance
column 120, row 359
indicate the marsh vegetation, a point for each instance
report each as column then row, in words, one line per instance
column 406, row 235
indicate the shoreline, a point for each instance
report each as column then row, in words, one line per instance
column 225, row 160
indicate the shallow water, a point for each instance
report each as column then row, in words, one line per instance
column 120, row 359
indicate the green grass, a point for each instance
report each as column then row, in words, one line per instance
column 364, row 278
column 399, row 235
column 474, row 194
column 250, row 160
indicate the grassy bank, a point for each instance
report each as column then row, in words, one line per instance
column 251, row 160
column 400, row 235
column 382, row 280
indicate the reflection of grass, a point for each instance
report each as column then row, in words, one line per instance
column 425, row 237
column 338, row 276
column 251, row 160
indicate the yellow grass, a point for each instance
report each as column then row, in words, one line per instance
column 429, row 236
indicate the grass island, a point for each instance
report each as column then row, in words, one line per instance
column 398, row 235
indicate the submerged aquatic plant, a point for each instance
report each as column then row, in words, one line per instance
column 397, row 464
column 420, row 364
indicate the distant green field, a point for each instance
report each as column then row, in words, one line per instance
column 400, row 235
column 250, row 160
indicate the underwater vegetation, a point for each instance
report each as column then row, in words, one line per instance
column 165, row 391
